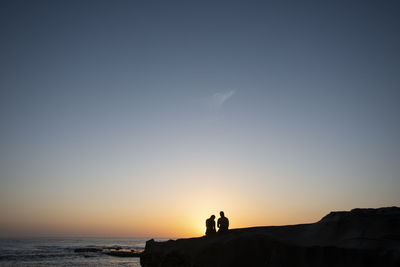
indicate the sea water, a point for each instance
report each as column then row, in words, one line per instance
column 60, row 251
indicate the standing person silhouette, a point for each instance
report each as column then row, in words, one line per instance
column 223, row 223
column 210, row 225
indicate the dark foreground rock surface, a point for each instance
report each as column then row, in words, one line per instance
column 360, row 237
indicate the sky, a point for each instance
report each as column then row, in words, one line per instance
column 143, row 118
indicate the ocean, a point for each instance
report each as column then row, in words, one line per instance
column 61, row 251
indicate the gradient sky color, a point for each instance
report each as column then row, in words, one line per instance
column 143, row 118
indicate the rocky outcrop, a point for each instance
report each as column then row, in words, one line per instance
column 361, row 237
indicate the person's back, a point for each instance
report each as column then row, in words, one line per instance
column 223, row 223
column 210, row 226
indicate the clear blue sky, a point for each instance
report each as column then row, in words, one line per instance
column 290, row 108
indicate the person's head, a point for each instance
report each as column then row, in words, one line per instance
column 212, row 217
column 221, row 213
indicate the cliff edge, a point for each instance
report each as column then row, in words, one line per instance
column 360, row 237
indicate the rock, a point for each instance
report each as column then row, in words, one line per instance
column 113, row 247
column 361, row 237
column 83, row 250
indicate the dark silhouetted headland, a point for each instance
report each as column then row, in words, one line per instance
column 360, row 237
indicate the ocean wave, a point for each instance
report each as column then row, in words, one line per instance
column 33, row 256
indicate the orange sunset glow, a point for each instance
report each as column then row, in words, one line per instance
column 140, row 120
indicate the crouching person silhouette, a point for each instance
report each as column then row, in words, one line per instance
column 210, row 225
column 223, row 223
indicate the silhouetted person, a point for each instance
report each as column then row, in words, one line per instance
column 223, row 223
column 210, row 225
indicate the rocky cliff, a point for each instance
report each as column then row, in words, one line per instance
column 360, row 237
